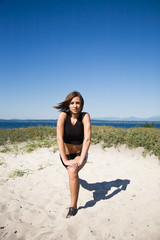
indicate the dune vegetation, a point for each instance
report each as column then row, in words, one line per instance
column 34, row 137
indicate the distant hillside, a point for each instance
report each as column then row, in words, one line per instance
column 132, row 118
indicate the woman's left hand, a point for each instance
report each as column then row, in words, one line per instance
column 79, row 161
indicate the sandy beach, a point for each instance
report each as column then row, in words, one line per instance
column 119, row 196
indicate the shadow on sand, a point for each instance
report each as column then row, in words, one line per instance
column 101, row 189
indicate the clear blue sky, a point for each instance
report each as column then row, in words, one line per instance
column 109, row 50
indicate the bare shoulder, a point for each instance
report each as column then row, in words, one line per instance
column 86, row 117
column 62, row 116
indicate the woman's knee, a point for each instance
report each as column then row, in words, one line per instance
column 72, row 172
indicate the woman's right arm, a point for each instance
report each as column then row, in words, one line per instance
column 60, row 130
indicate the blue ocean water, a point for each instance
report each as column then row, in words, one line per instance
column 8, row 124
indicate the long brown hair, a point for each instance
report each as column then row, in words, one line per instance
column 64, row 106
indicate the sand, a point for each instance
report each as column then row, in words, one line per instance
column 119, row 196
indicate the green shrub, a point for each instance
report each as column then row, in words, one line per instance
column 147, row 125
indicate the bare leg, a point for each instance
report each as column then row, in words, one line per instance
column 74, row 184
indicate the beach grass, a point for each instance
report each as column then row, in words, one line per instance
column 19, row 173
column 36, row 137
column 18, row 135
column 148, row 138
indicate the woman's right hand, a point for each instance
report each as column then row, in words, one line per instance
column 71, row 163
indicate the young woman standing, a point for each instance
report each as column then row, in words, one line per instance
column 73, row 138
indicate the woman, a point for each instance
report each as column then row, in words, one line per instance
column 73, row 138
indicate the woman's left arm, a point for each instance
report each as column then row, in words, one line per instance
column 87, row 137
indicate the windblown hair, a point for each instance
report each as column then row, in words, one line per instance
column 64, row 106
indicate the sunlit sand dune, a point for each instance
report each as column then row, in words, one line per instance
column 119, row 196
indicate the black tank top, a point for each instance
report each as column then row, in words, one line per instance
column 73, row 134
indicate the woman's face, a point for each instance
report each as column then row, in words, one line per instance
column 75, row 105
